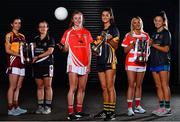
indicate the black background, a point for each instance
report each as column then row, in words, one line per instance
column 31, row 11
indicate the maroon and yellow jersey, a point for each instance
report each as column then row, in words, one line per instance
column 15, row 40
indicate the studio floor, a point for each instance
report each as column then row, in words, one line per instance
column 92, row 104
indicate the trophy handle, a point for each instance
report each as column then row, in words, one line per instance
column 136, row 49
column 21, row 52
column 32, row 46
column 148, row 52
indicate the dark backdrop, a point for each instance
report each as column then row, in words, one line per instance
column 31, row 11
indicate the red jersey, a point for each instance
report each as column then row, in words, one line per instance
column 130, row 38
column 79, row 46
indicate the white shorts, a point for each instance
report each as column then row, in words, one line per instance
column 16, row 71
column 77, row 69
column 136, row 68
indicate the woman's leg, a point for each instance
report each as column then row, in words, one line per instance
column 138, row 92
column 13, row 80
column 40, row 95
column 16, row 93
column 138, row 89
column 131, row 88
column 110, row 79
column 73, row 82
column 48, row 93
column 81, row 91
column 158, row 85
column 164, row 76
column 102, row 78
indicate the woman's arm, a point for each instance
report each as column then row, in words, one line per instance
column 113, row 42
column 164, row 49
column 47, row 53
column 8, row 46
column 128, row 48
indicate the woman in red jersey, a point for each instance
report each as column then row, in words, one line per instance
column 134, row 68
column 76, row 41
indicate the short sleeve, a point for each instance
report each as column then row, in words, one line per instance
column 90, row 39
column 116, row 32
column 167, row 39
column 126, row 41
column 51, row 42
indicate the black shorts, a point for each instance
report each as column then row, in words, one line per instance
column 40, row 71
column 104, row 67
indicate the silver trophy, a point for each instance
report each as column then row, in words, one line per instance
column 142, row 50
column 26, row 52
column 97, row 49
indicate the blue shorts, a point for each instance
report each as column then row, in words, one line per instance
column 160, row 68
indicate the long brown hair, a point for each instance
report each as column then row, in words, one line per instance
column 162, row 14
column 110, row 11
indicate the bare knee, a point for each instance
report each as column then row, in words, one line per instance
column 165, row 85
column 158, row 86
column 131, row 85
column 48, row 87
column 73, row 90
column 40, row 87
column 110, row 88
column 12, row 88
column 104, row 88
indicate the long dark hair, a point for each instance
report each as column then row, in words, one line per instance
column 74, row 13
column 112, row 21
column 162, row 14
column 13, row 19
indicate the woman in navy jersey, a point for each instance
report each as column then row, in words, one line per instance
column 160, row 63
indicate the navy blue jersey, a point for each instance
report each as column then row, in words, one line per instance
column 157, row 57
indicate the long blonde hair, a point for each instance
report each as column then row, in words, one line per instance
column 141, row 23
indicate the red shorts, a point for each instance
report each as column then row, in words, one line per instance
column 15, row 66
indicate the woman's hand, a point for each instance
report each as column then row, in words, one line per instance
column 61, row 46
column 34, row 59
column 151, row 42
column 88, row 69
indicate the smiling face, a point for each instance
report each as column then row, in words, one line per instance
column 158, row 22
column 106, row 17
column 136, row 24
column 16, row 25
column 77, row 19
column 43, row 27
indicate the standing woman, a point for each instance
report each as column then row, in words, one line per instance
column 160, row 63
column 15, row 70
column 76, row 41
column 135, row 70
column 106, row 63
column 43, row 67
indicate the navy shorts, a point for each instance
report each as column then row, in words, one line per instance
column 160, row 68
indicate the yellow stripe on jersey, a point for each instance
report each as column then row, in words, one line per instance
column 15, row 47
